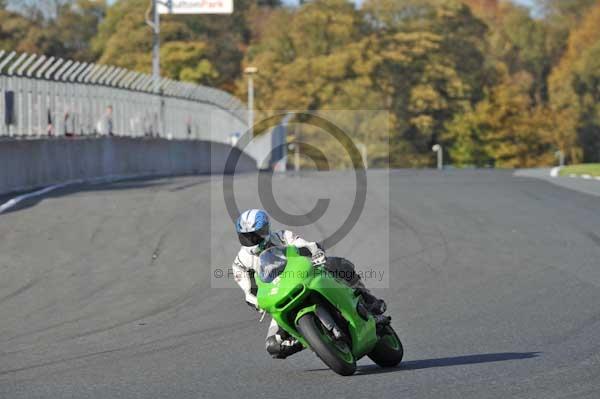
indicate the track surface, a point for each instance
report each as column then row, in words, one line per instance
column 105, row 291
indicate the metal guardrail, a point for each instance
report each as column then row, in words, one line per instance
column 46, row 96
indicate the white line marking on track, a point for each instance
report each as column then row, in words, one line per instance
column 15, row 201
column 98, row 180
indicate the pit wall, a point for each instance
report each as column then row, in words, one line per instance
column 31, row 164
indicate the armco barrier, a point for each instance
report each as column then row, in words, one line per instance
column 30, row 164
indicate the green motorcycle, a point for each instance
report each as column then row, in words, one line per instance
column 322, row 313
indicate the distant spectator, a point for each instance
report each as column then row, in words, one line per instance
column 105, row 124
column 50, row 128
column 109, row 120
column 69, row 125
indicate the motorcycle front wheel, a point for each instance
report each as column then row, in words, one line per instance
column 336, row 354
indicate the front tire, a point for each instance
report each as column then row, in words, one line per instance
column 388, row 351
column 336, row 355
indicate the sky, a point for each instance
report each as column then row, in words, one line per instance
column 528, row 3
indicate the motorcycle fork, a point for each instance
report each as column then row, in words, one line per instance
column 328, row 322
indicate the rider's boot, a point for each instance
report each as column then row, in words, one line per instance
column 282, row 349
column 381, row 321
column 375, row 305
column 289, row 347
column 344, row 270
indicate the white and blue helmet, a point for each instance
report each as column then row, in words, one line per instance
column 253, row 227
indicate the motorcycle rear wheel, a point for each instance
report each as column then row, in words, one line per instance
column 335, row 354
column 388, row 351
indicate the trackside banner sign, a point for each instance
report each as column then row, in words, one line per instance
column 195, row 6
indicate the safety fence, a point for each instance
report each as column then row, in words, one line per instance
column 45, row 96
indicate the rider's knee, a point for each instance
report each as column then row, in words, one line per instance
column 273, row 346
column 343, row 270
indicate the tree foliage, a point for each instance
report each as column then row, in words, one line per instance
column 493, row 82
column 505, row 129
column 575, row 90
column 62, row 29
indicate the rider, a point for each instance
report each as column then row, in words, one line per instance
column 254, row 232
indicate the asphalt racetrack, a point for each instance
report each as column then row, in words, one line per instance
column 108, row 291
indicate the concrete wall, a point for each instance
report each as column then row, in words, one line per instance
column 29, row 164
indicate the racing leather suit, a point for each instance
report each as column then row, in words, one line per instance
column 246, row 263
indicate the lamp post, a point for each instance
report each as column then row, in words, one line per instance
column 440, row 156
column 153, row 21
column 363, row 152
column 561, row 158
column 250, row 72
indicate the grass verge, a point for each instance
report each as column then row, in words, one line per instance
column 592, row 169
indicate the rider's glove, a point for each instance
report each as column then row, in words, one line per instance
column 318, row 258
column 252, row 301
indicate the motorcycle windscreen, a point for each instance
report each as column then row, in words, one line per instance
column 272, row 263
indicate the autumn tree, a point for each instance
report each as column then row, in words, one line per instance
column 423, row 65
column 432, row 67
column 75, row 25
column 505, row 129
column 492, row 81
column 60, row 28
column 213, row 43
column 13, row 29
column 575, row 90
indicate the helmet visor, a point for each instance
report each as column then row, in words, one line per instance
column 253, row 238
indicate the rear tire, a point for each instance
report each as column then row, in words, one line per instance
column 388, row 351
column 334, row 356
